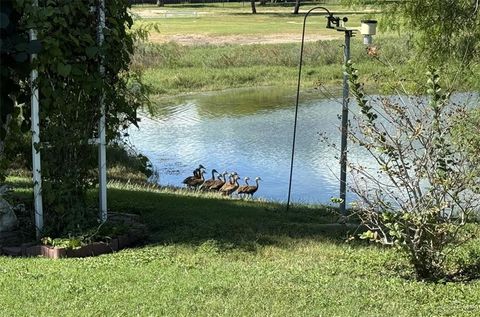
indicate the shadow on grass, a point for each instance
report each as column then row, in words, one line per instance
column 233, row 223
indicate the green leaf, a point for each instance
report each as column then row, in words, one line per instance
column 91, row 51
column 63, row 70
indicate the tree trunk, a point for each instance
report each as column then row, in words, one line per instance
column 297, row 6
column 160, row 3
column 254, row 9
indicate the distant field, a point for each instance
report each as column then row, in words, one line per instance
column 179, row 23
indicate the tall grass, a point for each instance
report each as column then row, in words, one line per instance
column 172, row 68
column 171, row 55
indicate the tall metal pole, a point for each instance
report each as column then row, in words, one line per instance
column 343, row 146
column 36, row 162
column 298, row 98
column 102, row 156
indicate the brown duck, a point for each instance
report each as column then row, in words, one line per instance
column 209, row 182
column 241, row 189
column 230, row 188
column 219, row 182
column 250, row 190
column 196, row 182
column 196, row 175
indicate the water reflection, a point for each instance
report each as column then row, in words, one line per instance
column 249, row 131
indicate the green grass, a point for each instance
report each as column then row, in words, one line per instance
column 235, row 19
column 171, row 68
column 242, row 24
column 210, row 256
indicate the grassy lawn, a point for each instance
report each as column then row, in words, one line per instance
column 243, row 24
column 212, row 256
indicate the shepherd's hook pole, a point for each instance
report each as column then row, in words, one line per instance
column 343, row 146
column 297, row 100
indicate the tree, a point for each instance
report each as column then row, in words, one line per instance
column 443, row 30
column 444, row 33
column 297, row 6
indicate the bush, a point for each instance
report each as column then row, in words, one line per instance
column 466, row 134
column 422, row 196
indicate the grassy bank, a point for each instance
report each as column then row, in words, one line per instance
column 172, row 68
column 227, row 257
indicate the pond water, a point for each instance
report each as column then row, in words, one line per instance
column 249, row 131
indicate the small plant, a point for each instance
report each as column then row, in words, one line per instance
column 102, row 233
column 422, row 194
column 67, row 243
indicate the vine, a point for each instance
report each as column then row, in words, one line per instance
column 70, row 86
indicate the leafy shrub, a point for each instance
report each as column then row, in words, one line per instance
column 421, row 197
column 466, row 133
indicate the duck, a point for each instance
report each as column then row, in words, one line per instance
column 209, row 182
column 231, row 180
column 196, row 182
column 219, row 182
column 241, row 189
column 229, row 188
column 196, row 175
column 250, row 190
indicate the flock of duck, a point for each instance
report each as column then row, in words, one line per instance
column 220, row 184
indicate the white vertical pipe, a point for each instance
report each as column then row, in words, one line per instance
column 102, row 155
column 37, row 170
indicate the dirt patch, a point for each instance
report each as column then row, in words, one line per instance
column 198, row 39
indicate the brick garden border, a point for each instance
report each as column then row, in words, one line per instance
column 135, row 235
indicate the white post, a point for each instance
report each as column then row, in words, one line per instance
column 37, row 170
column 102, row 156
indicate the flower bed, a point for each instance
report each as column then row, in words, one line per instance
column 134, row 235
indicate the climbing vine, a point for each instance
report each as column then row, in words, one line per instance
column 71, row 85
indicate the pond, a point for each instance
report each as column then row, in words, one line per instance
column 249, row 131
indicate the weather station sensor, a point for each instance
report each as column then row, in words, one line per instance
column 368, row 29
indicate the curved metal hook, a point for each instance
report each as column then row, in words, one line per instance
column 330, row 20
